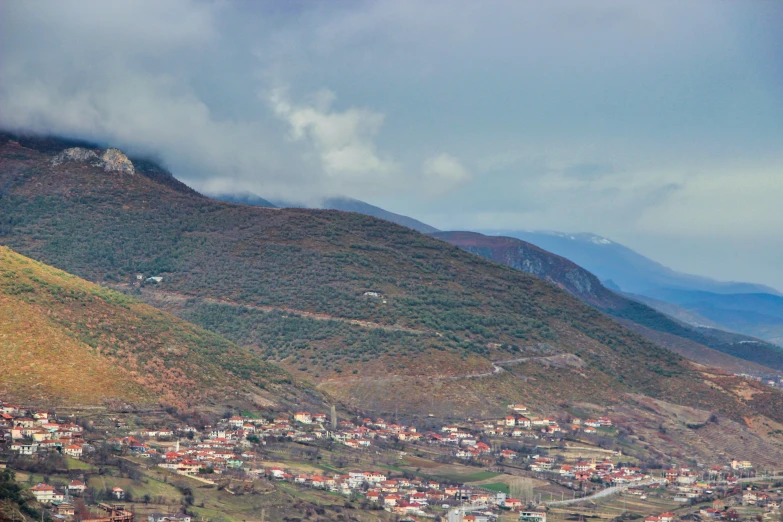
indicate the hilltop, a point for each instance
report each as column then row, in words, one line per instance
column 70, row 342
column 376, row 314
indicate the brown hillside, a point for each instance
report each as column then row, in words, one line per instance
column 67, row 341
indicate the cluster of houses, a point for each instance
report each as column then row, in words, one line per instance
column 725, row 509
column 518, row 423
column 590, row 470
column 398, row 495
column 775, row 382
column 30, row 432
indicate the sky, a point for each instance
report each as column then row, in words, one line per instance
column 656, row 124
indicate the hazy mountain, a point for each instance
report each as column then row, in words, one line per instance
column 623, row 267
column 740, row 307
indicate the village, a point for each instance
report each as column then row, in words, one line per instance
column 366, row 455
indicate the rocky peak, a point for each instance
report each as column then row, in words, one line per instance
column 110, row 160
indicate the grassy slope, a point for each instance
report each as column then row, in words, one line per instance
column 70, row 341
column 108, row 227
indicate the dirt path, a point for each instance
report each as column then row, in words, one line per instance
column 174, row 297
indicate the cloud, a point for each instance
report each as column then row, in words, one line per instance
column 444, row 172
column 569, row 115
column 589, row 171
column 342, row 140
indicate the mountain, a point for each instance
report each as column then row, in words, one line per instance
column 377, row 315
column 625, row 268
column 69, row 342
column 758, row 314
column 696, row 300
column 696, row 343
column 354, row 205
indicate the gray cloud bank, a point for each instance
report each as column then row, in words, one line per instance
column 656, row 123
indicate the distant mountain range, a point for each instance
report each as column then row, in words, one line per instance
column 622, row 268
column 751, row 309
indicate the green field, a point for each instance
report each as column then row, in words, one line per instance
column 467, row 477
column 498, row 486
column 77, row 464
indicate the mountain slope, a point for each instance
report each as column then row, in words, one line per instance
column 760, row 315
column 374, row 313
column 69, row 341
column 584, row 285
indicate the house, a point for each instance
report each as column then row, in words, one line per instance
column 76, row 487
column 741, row 464
column 391, row 500
column 303, row 417
column 533, row 516
column 73, row 450
column 118, row 493
column 64, row 509
column 518, row 407
column 46, row 494
column 24, row 449
column 510, row 420
column 236, row 421
column 666, row 517
column 512, row 503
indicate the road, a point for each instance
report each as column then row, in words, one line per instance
column 605, row 493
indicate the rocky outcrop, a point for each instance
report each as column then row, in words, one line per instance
column 110, row 160
column 115, row 161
